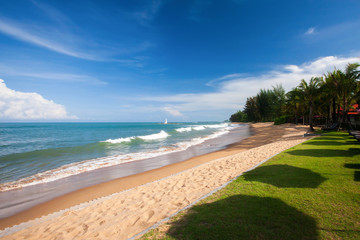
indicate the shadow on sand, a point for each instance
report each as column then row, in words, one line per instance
column 244, row 217
column 285, row 176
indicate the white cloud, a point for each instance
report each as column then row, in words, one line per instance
column 58, row 39
column 224, row 78
column 232, row 93
column 310, row 31
column 173, row 111
column 31, row 71
column 15, row 105
column 36, row 37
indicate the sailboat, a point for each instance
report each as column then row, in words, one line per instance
column 165, row 121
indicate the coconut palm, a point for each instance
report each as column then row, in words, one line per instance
column 329, row 96
column 347, row 86
column 352, row 71
column 309, row 93
column 293, row 103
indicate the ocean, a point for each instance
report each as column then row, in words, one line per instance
column 58, row 156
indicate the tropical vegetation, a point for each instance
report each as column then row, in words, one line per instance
column 329, row 97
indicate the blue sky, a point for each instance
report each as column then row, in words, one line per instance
column 151, row 60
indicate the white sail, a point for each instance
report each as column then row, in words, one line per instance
column 165, row 121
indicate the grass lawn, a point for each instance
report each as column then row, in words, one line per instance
column 310, row 191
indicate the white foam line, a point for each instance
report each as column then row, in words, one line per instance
column 206, row 195
column 98, row 163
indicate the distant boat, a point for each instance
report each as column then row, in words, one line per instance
column 165, row 121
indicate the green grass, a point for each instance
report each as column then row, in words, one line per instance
column 311, row 191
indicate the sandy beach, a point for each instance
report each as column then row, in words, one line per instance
column 124, row 207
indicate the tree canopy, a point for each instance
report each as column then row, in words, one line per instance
column 328, row 97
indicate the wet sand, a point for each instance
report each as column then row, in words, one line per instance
column 127, row 213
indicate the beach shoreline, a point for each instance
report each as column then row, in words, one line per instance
column 265, row 134
column 97, row 190
column 23, row 198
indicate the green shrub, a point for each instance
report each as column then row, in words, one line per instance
column 281, row 120
column 238, row 117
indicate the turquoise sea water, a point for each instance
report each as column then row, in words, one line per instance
column 31, row 153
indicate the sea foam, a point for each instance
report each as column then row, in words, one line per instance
column 201, row 127
column 120, row 140
column 161, row 135
column 92, row 164
column 185, row 129
column 156, row 136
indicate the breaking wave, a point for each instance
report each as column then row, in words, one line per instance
column 201, row 127
column 156, row 136
column 92, row 164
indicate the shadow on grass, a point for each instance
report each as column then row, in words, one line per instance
column 330, row 143
column 333, row 138
column 285, row 176
column 357, row 176
column 325, row 152
column 352, row 165
column 244, row 217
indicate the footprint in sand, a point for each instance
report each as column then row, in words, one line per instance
column 85, row 228
column 150, row 214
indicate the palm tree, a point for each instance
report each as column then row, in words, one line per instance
column 352, row 71
column 347, row 86
column 309, row 93
column 329, row 96
column 293, row 103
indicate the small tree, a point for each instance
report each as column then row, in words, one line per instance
column 251, row 110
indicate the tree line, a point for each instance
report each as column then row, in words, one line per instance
column 328, row 97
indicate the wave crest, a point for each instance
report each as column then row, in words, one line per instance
column 156, row 136
column 201, row 127
column 161, row 135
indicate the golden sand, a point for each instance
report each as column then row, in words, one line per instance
column 151, row 196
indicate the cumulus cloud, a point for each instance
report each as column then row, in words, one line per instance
column 15, row 105
column 235, row 88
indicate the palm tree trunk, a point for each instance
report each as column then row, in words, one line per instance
column 330, row 115
column 310, row 118
column 303, row 119
column 343, row 112
column 334, row 110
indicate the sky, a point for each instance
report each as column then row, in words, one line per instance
column 144, row 61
